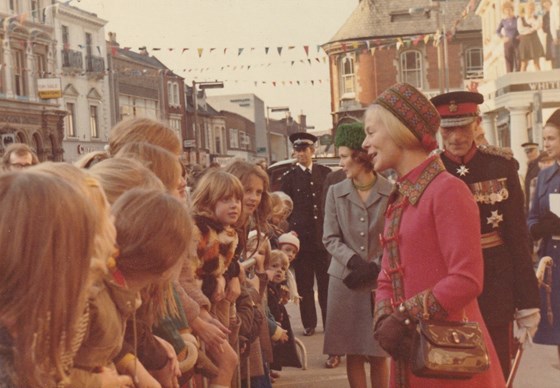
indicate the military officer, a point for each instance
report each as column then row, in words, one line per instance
column 510, row 286
column 303, row 182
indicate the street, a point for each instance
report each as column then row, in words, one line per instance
column 539, row 365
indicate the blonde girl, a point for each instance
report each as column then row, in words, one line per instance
column 143, row 130
column 161, row 162
column 47, row 231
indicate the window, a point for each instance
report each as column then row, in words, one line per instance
column 13, row 6
column 19, row 73
column 347, row 75
column 173, row 94
column 65, row 37
column 233, row 140
column 207, row 136
column 93, row 122
column 34, row 6
column 411, row 68
column 70, row 120
column 473, row 63
column 39, row 65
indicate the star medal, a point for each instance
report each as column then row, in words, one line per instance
column 462, row 170
column 494, row 219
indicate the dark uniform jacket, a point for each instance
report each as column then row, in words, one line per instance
column 306, row 193
column 509, row 279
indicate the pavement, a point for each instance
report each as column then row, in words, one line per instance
column 539, row 366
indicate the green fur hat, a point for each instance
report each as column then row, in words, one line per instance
column 350, row 135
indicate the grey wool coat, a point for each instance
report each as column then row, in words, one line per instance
column 352, row 227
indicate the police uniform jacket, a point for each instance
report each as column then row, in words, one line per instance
column 306, row 192
column 509, row 279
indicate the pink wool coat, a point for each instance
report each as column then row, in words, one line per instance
column 439, row 246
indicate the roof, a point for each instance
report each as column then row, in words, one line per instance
column 381, row 18
column 142, row 58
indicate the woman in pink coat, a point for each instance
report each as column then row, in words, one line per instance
column 432, row 236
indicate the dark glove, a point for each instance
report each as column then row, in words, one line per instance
column 548, row 224
column 362, row 275
column 356, row 262
column 394, row 334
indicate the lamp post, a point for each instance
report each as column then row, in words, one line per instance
column 274, row 109
column 202, row 86
column 443, row 56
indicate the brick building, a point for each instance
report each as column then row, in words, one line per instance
column 383, row 42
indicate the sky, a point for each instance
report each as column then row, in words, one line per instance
column 233, row 36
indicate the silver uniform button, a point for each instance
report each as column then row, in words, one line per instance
column 362, row 219
column 362, row 234
column 362, row 248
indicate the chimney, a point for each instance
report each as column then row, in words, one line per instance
column 302, row 121
column 143, row 50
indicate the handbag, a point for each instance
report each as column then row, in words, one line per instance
column 447, row 349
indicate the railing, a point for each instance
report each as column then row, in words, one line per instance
column 72, row 59
column 95, row 64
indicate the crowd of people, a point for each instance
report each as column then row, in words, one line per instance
column 520, row 34
column 127, row 269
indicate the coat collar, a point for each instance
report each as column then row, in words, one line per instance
column 413, row 184
column 549, row 172
column 382, row 188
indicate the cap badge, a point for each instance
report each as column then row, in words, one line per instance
column 452, row 107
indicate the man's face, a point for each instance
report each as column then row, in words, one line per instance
column 532, row 153
column 458, row 140
column 303, row 156
column 17, row 162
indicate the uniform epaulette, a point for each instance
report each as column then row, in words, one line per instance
column 292, row 168
column 504, row 152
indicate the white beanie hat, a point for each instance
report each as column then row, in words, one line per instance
column 289, row 238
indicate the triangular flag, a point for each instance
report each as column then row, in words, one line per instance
column 355, row 45
column 309, row 60
column 279, row 50
column 368, row 44
column 266, row 50
column 297, row 82
column 252, row 49
column 293, row 62
column 291, row 47
column 256, row 83
column 156, row 49
column 306, row 49
column 399, row 43
column 324, row 59
column 239, row 51
column 200, row 50
column 185, row 49
column 426, row 39
column 225, row 50
column 274, row 83
column 318, row 60
column 372, row 50
column 312, row 82
column 248, row 67
column 212, row 49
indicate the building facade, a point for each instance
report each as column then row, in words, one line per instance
column 81, row 63
column 252, row 108
column 384, row 42
column 516, row 103
column 28, row 55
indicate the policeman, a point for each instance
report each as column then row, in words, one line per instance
column 510, row 286
column 303, row 182
column 532, row 151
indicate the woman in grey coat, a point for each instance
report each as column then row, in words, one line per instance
column 354, row 212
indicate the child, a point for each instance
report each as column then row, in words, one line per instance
column 44, row 221
column 285, row 353
column 282, row 206
column 217, row 206
column 153, row 229
column 289, row 244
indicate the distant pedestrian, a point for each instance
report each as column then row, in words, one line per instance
column 507, row 30
column 530, row 47
column 18, row 156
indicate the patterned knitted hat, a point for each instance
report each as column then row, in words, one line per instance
column 350, row 135
column 414, row 110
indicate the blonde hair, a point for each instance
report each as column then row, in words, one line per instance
column 143, row 130
column 161, row 162
column 212, row 187
column 278, row 256
column 397, row 131
column 118, row 175
column 153, row 231
column 507, row 5
column 90, row 159
column 47, row 230
column 255, row 242
column 92, row 190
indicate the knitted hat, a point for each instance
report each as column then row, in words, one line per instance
column 289, row 238
column 350, row 135
column 414, row 110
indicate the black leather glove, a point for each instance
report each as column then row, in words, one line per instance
column 548, row 224
column 362, row 275
column 356, row 262
column 394, row 334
